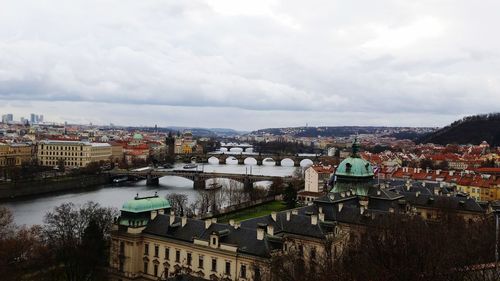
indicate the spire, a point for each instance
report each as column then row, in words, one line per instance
column 355, row 147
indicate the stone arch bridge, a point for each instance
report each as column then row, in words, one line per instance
column 199, row 178
column 260, row 158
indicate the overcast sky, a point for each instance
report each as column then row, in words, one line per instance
column 250, row 64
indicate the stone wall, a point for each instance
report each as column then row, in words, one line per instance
column 17, row 189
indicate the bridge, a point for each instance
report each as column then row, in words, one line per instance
column 259, row 158
column 199, row 178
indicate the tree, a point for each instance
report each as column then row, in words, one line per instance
column 78, row 238
column 178, row 203
column 290, row 196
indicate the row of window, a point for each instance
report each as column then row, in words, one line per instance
column 61, row 153
column 189, row 262
column 52, row 147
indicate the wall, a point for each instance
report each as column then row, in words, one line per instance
column 36, row 187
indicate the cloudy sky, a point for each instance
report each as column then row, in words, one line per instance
column 250, row 64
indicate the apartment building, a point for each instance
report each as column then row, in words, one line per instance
column 73, row 153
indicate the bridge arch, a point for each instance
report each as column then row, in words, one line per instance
column 306, row 163
column 213, row 160
column 231, row 160
column 287, row 162
column 268, row 161
column 236, row 149
column 250, row 161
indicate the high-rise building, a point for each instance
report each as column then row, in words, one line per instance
column 33, row 118
column 6, row 118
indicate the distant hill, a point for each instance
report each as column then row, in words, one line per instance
column 346, row 131
column 469, row 130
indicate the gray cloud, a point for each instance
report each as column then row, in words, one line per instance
column 328, row 62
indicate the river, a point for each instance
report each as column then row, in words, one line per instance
column 31, row 211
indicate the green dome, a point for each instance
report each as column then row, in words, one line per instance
column 145, row 204
column 354, row 167
column 137, row 136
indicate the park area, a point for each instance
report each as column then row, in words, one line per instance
column 253, row 212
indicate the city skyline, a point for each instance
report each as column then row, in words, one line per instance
column 249, row 65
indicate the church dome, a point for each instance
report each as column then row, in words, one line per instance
column 137, row 136
column 354, row 167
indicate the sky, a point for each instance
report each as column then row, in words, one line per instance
column 250, row 64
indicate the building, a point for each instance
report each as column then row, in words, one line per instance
column 15, row 154
column 72, row 153
column 150, row 244
column 316, row 182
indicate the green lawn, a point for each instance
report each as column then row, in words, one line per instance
column 253, row 212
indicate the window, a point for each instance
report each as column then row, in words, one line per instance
column 214, row 241
column 146, row 249
column 256, row 273
column 121, row 266
column 243, row 271
column 214, row 264
column 155, row 270
column 228, row 268
column 200, row 262
column 177, row 256
column 189, row 259
column 157, row 250
column 313, row 253
column 167, row 253
column 145, row 267
column 301, row 249
column 122, row 247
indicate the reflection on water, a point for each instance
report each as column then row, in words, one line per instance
column 32, row 210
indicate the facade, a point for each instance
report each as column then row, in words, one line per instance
column 15, row 154
column 316, row 182
column 72, row 153
column 163, row 245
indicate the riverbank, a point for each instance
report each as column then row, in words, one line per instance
column 20, row 189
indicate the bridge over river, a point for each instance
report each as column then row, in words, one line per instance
column 199, row 178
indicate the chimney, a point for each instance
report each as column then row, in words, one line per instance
column 184, row 221
column 362, row 209
column 342, row 194
column 391, row 210
column 270, row 230
column 414, row 170
column 423, row 183
column 348, row 193
column 236, row 225
column 417, row 193
column 340, row 206
column 231, row 222
column 419, row 170
column 320, row 210
column 260, row 233
column 295, row 212
column 427, row 170
column 378, row 192
column 438, row 172
column 451, row 173
column 321, row 217
column 288, row 214
column 172, row 217
column 214, row 220
column 208, row 223
column 314, row 219
column 273, row 216
column 153, row 214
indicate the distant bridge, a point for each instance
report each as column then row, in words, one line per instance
column 199, row 178
column 259, row 158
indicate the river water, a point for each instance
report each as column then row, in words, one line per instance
column 31, row 211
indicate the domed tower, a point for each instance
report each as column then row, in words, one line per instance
column 138, row 212
column 354, row 173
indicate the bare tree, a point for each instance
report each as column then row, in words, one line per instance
column 178, row 202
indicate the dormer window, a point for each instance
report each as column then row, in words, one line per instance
column 214, row 241
column 348, row 167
